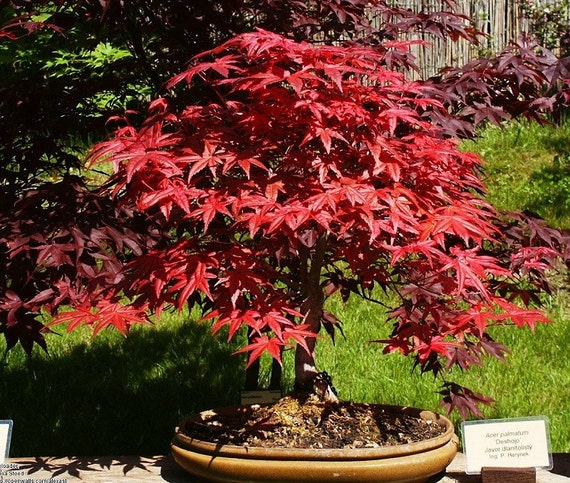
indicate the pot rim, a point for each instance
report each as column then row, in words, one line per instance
column 228, row 450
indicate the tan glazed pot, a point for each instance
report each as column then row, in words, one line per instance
column 414, row 462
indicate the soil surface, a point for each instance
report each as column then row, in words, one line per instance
column 309, row 423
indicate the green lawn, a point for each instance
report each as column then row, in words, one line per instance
column 533, row 381
column 110, row 395
column 527, row 166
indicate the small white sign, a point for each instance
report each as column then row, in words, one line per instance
column 5, row 438
column 506, row 443
column 260, row 397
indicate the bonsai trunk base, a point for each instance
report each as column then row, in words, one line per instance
column 410, row 462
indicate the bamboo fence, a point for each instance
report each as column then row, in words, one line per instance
column 502, row 21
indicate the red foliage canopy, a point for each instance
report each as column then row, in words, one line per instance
column 314, row 170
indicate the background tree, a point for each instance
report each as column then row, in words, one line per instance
column 67, row 66
column 550, row 23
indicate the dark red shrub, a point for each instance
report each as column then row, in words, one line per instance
column 81, row 248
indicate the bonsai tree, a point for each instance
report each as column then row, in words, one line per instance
column 309, row 171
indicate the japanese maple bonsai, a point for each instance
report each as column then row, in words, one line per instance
column 300, row 171
column 287, row 172
column 293, row 172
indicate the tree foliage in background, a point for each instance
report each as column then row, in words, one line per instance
column 549, row 23
column 67, row 66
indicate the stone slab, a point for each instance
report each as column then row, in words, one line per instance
column 131, row 469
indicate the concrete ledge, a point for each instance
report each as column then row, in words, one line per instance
column 131, row 469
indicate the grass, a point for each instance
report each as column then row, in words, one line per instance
column 109, row 395
column 527, row 166
column 534, row 380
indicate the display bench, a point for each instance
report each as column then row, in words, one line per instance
column 133, row 469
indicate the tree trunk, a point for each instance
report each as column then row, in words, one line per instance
column 276, row 373
column 252, row 372
column 312, row 309
column 305, row 366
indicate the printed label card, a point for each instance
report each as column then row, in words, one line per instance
column 261, row 396
column 507, row 443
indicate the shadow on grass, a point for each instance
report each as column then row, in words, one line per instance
column 118, row 397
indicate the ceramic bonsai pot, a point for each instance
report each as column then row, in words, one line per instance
column 412, row 462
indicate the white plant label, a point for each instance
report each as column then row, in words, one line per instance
column 5, row 438
column 506, row 443
column 260, row 397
